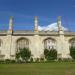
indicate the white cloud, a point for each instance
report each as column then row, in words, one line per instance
column 50, row 27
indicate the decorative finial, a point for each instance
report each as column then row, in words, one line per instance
column 11, row 23
column 59, row 24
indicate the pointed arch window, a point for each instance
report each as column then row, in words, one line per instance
column 49, row 44
column 22, row 43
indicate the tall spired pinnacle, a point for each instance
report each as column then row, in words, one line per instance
column 36, row 23
column 11, row 23
column 59, row 24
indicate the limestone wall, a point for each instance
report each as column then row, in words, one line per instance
column 36, row 45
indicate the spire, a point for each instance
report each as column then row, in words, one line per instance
column 11, row 23
column 60, row 30
column 36, row 23
column 59, row 24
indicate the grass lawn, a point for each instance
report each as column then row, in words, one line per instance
column 52, row 68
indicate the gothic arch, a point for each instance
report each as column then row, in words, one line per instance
column 22, row 43
column 49, row 43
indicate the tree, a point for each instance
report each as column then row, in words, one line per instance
column 24, row 54
column 50, row 54
column 72, row 52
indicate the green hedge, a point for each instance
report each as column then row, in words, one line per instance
column 50, row 54
column 72, row 52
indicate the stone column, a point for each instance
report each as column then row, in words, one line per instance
column 36, row 39
column 9, row 39
column 61, row 40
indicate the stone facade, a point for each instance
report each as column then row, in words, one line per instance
column 8, row 41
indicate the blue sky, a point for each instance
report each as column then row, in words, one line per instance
column 47, row 11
